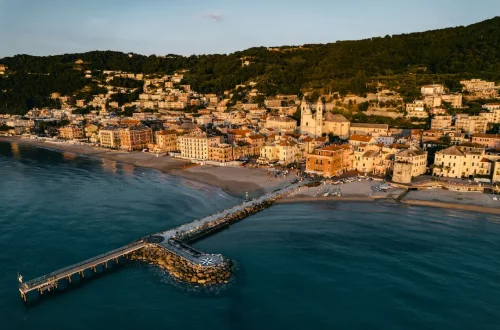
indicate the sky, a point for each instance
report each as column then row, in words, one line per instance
column 185, row 27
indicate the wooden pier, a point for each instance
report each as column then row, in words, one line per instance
column 76, row 272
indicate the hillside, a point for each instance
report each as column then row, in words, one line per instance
column 347, row 66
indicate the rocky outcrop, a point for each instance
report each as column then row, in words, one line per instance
column 182, row 269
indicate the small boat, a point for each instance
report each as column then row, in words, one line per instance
column 326, row 194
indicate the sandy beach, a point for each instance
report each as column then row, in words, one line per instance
column 362, row 192
column 235, row 181
column 359, row 191
column 467, row 201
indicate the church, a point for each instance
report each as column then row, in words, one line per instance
column 315, row 124
column 311, row 123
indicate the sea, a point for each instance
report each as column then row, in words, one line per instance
column 325, row 265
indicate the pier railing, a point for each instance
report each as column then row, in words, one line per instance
column 84, row 264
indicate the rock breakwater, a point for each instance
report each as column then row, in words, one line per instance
column 182, row 269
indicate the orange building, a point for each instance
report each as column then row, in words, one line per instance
column 136, row 137
column 221, row 153
column 256, row 142
column 71, row 132
column 330, row 161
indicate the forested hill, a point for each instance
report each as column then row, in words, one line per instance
column 348, row 66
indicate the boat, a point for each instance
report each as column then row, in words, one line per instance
column 326, row 194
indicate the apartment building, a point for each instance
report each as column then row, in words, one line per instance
column 109, row 137
column 440, row 122
column 166, row 141
column 490, row 141
column 222, row 153
column 135, row 137
column 458, row 162
column 196, row 146
column 71, row 132
column 330, row 161
column 471, row 124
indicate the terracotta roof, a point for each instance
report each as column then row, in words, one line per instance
column 256, row 137
column 366, row 125
column 488, row 136
column 361, row 138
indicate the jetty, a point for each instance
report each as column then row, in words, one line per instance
column 173, row 243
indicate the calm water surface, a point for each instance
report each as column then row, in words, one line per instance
column 320, row 266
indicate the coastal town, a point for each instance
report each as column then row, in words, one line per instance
column 243, row 127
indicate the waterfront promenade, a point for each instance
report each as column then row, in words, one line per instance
column 175, row 241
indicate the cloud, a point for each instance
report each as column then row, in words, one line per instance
column 216, row 17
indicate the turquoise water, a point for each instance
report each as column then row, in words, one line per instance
column 318, row 266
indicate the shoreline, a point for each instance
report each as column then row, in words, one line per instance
column 235, row 181
column 451, row 206
column 410, row 202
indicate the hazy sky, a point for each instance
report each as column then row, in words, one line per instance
column 48, row 27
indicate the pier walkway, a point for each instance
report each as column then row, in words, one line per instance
column 53, row 280
column 171, row 240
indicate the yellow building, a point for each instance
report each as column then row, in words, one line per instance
column 440, row 122
column 196, row 146
column 220, row 153
column 71, row 132
column 471, row 124
column 281, row 152
column 281, row 124
column 416, row 157
column 166, row 141
column 369, row 129
column 109, row 137
column 458, row 162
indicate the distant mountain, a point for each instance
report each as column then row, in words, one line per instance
column 347, row 66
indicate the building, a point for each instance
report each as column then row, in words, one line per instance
column 385, row 140
column 432, row 90
column 310, row 123
column 221, row 153
column 471, row 124
column 71, row 132
column 166, row 141
column 281, row 152
column 491, row 106
column 136, row 137
column 455, row 100
column 336, row 124
column 490, row 141
column 458, row 162
column 330, row 161
column 417, row 105
column 358, row 139
column 368, row 129
column 109, row 137
column 408, row 164
column 196, row 146
column 440, row 122
column 369, row 159
column 281, row 124
column 477, row 85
